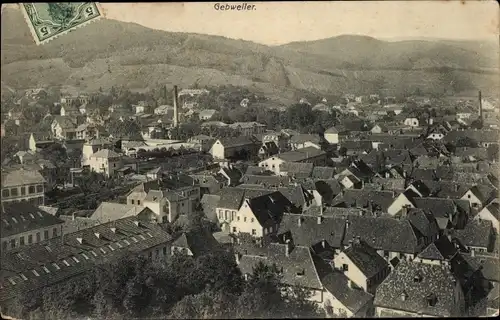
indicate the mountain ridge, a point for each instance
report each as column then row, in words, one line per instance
column 135, row 56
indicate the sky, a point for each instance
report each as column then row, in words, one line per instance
column 275, row 23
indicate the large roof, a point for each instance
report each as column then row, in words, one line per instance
column 110, row 211
column 21, row 177
column 23, row 217
column 365, row 258
column 106, row 154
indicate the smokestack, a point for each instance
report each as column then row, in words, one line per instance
column 480, row 108
column 176, row 115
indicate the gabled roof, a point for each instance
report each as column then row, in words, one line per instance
column 365, row 257
column 494, row 209
column 338, row 285
column 433, row 282
column 475, row 234
column 23, row 217
column 306, row 231
column 232, row 198
column 298, row 155
column 269, row 207
column 266, row 181
column 197, row 242
column 21, row 177
column 322, row 172
column 362, row 198
column 110, row 211
column 106, row 154
column 441, row 249
column 302, row 138
column 297, row 169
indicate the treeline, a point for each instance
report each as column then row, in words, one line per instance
column 210, row 286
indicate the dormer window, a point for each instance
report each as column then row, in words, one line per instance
column 103, row 251
column 417, row 278
column 300, row 273
column 93, row 253
column 431, row 300
column 118, row 244
column 75, row 259
column 12, row 281
column 404, row 296
column 66, row 263
column 45, row 269
column 23, row 277
column 135, row 239
column 149, row 234
column 126, row 242
column 35, row 273
column 56, row 266
column 142, row 237
column 111, row 248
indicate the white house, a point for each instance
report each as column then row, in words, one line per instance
column 411, row 122
column 474, row 196
column 402, row 201
column 309, row 154
column 490, row 213
column 332, row 135
column 105, row 161
column 164, row 109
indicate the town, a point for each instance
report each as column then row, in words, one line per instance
column 217, row 202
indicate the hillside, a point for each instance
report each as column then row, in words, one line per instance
column 109, row 52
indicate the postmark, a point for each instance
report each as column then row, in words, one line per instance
column 50, row 20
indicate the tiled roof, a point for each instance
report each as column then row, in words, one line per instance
column 475, row 234
column 197, row 242
column 269, row 207
column 402, row 237
column 306, row 231
column 298, row 268
column 110, row 211
column 234, row 142
column 441, row 249
column 232, row 198
column 302, row 154
column 23, row 217
column 73, row 224
column 487, row 263
column 494, row 209
column 21, row 177
column 361, row 198
column 297, row 169
column 266, row 181
column 106, row 154
column 366, row 258
column 338, row 285
column 77, row 244
column 302, row 138
column 478, row 135
column 322, row 173
column 434, row 282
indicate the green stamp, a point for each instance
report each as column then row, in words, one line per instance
column 50, row 20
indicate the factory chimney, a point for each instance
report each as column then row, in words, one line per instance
column 480, row 108
column 176, row 114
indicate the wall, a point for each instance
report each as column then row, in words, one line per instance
column 246, row 226
column 353, row 272
column 272, row 164
column 332, row 138
column 398, row 204
column 6, row 242
column 36, row 198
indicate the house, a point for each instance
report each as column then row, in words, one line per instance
column 56, row 261
column 69, row 111
column 491, row 212
column 243, row 146
column 440, row 252
column 205, row 142
column 411, row 122
column 248, row 128
column 279, row 138
column 140, row 107
column 105, row 161
column 24, row 224
column 111, row 211
column 64, row 127
column 164, row 110
column 362, row 265
column 408, row 236
column 378, row 128
column 418, row 289
column 92, row 146
column 477, row 197
column 39, row 140
column 23, row 186
column 449, row 213
column 300, row 141
column 477, row 236
column 231, row 174
column 296, row 170
column 268, row 149
column 260, row 216
column 207, row 114
column 332, row 135
column 194, row 243
column 308, row 154
column 374, row 201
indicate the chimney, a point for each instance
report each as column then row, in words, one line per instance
column 480, row 108
column 176, row 115
column 80, row 240
column 288, row 248
column 113, row 230
column 320, row 219
column 323, row 244
column 472, row 252
column 237, row 258
column 300, row 221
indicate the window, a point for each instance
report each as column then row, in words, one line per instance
column 55, row 265
column 150, row 254
column 23, row 191
column 13, row 192
column 5, row 193
column 54, row 232
column 31, row 189
column 126, row 242
column 135, row 239
column 157, row 252
column 21, row 241
column 132, row 201
column 45, row 234
column 138, row 202
column 4, row 245
column 75, row 259
column 11, row 280
column 30, row 239
column 35, row 273
column 66, row 263
column 93, row 253
column 119, row 245
column 38, row 238
column 234, row 229
column 103, row 251
column 45, row 269
column 111, row 248
column 142, row 237
column 244, row 219
column 252, row 220
column 345, row 267
column 164, row 251
column 85, row 256
column 238, row 217
column 39, row 188
column 149, row 234
column 23, row 277
column 254, row 232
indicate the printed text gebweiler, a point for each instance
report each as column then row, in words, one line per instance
column 234, row 7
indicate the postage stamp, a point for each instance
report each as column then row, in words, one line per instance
column 50, row 20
